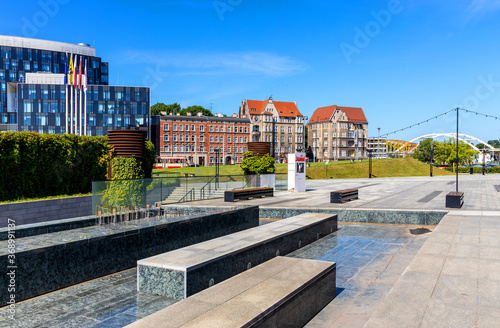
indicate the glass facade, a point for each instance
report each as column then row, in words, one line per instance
column 42, row 107
column 105, row 111
column 15, row 62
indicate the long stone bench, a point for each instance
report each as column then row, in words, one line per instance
column 282, row 292
column 186, row 271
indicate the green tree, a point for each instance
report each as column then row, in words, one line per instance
column 195, row 110
column 446, row 152
column 423, row 152
column 257, row 165
column 171, row 109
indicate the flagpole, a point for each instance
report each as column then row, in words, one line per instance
column 66, row 94
column 76, row 109
column 71, row 109
column 85, row 102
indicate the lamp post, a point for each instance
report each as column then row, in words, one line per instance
column 216, row 166
column 378, row 143
column 370, row 163
column 432, row 154
column 305, row 118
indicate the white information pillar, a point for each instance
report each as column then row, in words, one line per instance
column 297, row 172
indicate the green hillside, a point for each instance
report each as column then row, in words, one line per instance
column 398, row 167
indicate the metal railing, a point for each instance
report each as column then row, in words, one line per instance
column 141, row 192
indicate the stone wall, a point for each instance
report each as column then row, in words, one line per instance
column 45, row 210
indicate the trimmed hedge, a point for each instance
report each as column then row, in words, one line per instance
column 494, row 169
column 41, row 165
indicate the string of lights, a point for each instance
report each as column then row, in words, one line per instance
column 437, row 116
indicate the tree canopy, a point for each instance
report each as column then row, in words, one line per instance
column 445, row 152
column 171, row 109
column 175, row 108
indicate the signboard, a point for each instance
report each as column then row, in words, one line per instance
column 297, row 172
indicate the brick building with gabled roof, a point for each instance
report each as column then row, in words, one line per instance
column 338, row 133
column 288, row 122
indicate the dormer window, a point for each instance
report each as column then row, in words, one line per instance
column 253, row 109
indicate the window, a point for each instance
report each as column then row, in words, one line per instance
column 41, row 120
column 175, row 147
column 241, row 149
column 211, row 159
column 2, row 76
column 133, row 109
column 111, row 108
column 62, row 94
column 246, row 129
column 181, row 148
column 241, row 139
column 211, row 138
column 28, row 107
column 165, row 137
column 181, row 127
column 96, row 95
column 246, row 139
column 106, row 95
column 137, row 96
column 192, row 127
column 32, row 94
column 211, row 128
column 100, row 109
column 241, row 129
column 175, row 137
column 53, row 107
column 187, row 127
column 118, row 121
column 91, row 120
column 228, row 129
column 211, row 149
column 216, row 129
column 229, row 139
column 12, row 76
column 282, row 129
column 119, row 95
column 181, row 137
column 45, row 68
column 175, row 127
column 165, row 127
column 201, row 139
column 6, row 54
column 27, row 120
column 216, row 139
column 26, row 67
column 289, row 139
column 289, row 129
column 139, row 121
column 202, row 128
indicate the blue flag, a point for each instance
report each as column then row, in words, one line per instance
column 66, row 69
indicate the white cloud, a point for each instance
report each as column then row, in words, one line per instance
column 216, row 63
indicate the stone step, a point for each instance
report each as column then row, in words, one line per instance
column 282, row 292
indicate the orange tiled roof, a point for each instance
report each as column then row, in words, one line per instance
column 285, row 109
column 323, row 114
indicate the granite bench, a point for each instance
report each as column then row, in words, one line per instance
column 232, row 195
column 189, row 270
column 340, row 196
column 282, row 292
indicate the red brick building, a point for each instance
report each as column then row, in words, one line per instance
column 189, row 140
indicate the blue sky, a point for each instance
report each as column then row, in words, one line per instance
column 401, row 61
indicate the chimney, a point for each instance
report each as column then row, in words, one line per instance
column 199, row 114
column 188, row 114
column 178, row 114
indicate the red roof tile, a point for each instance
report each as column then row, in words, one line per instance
column 324, row 114
column 285, row 109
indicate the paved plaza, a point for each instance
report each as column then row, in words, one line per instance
column 387, row 275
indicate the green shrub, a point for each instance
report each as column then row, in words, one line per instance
column 257, row 165
column 40, row 165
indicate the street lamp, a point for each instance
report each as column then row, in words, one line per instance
column 305, row 118
column 217, row 150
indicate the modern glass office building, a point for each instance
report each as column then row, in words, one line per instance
column 39, row 103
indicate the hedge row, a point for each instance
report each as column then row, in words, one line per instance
column 494, row 169
column 41, row 165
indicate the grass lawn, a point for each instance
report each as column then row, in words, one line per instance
column 393, row 167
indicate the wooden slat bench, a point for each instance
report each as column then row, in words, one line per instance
column 455, row 199
column 340, row 196
column 232, row 195
column 282, row 292
column 186, row 271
